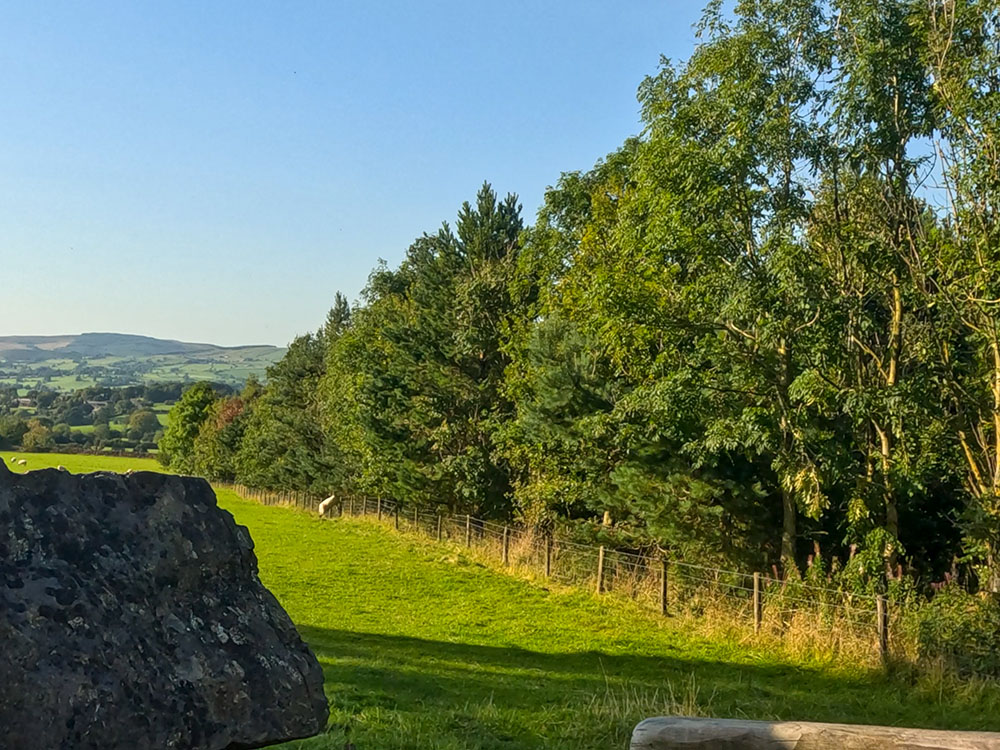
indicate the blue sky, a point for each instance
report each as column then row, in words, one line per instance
column 217, row 171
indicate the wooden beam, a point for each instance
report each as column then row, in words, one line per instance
column 682, row 733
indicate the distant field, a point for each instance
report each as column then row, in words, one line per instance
column 72, row 362
column 425, row 648
column 80, row 464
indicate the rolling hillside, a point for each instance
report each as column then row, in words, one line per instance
column 77, row 361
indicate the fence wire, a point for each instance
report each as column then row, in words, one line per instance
column 651, row 580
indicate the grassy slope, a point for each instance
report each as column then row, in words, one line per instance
column 423, row 647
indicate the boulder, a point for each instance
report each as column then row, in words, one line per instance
column 131, row 616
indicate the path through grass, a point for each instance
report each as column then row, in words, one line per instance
column 424, row 648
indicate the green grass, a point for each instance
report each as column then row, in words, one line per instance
column 80, row 463
column 424, row 647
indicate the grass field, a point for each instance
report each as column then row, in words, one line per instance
column 424, row 647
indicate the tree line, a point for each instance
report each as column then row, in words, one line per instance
column 94, row 418
column 765, row 330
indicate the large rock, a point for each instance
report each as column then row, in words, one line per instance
column 131, row 616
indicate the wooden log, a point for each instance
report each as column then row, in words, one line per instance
column 681, row 733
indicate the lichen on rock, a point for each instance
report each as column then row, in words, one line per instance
column 131, row 615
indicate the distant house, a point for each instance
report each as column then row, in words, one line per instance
column 25, row 403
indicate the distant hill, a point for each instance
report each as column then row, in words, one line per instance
column 76, row 361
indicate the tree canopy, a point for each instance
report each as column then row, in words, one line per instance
column 750, row 333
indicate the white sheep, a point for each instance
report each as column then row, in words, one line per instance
column 13, row 459
column 62, row 468
column 21, row 462
column 325, row 504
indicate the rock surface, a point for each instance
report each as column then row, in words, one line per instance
column 131, row 616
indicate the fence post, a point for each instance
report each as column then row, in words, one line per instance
column 663, row 586
column 506, row 544
column 416, row 518
column 756, row 602
column 548, row 555
column 468, row 530
column 395, row 516
column 378, row 507
column 882, row 617
column 439, row 528
column 600, row 570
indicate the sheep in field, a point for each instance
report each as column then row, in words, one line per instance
column 62, row 468
column 13, row 459
column 324, row 505
column 21, row 462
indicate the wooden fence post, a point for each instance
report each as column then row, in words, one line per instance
column 439, row 528
column 506, row 544
column 548, row 555
column 352, row 506
column 600, row 570
column 378, row 506
column 663, row 586
column 416, row 518
column 468, row 530
column 882, row 625
column 756, row 603
column 395, row 516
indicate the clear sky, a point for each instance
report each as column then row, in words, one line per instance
column 216, row 171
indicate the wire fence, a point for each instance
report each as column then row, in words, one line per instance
column 810, row 615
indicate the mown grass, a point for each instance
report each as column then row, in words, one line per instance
column 80, row 463
column 425, row 647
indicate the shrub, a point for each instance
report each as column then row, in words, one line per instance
column 960, row 629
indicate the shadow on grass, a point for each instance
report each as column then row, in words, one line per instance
column 480, row 696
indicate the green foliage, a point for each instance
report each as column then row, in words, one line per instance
column 12, row 430
column 186, row 419
column 38, row 437
column 280, row 442
column 142, row 423
column 746, row 335
column 428, row 352
column 960, row 629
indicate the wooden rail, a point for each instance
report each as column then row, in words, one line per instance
column 681, row 733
